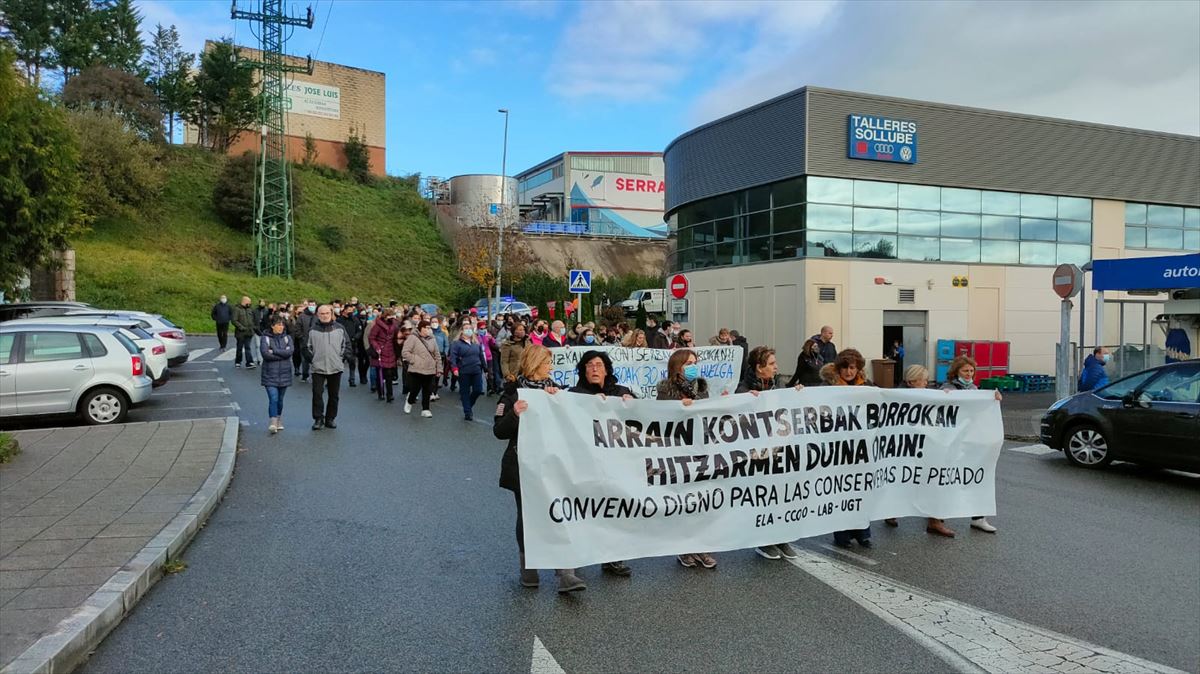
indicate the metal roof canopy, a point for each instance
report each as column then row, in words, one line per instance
column 1167, row 272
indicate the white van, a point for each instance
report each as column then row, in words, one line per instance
column 654, row 299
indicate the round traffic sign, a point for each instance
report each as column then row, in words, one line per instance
column 1068, row 280
column 678, row 286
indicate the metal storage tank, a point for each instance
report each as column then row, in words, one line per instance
column 482, row 188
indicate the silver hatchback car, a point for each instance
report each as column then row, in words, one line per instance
column 93, row 371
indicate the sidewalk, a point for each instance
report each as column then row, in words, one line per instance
column 88, row 516
column 1022, row 413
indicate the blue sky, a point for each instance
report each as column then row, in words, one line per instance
column 632, row 75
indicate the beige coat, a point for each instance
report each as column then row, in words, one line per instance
column 422, row 355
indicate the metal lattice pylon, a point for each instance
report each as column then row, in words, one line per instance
column 274, row 249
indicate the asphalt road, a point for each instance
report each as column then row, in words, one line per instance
column 386, row 545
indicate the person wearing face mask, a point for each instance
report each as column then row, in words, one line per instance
column 361, row 315
column 595, row 376
column 491, row 355
column 368, row 352
column 468, row 361
column 222, row 315
column 1093, row 375
column 308, row 317
column 276, row 348
column 588, row 338
column 685, row 384
column 295, row 328
column 510, row 352
column 538, row 336
column 960, row 376
column 443, row 342
column 424, row 360
column 328, row 350
column 350, row 324
column 557, row 337
column 243, row 332
column 383, row 354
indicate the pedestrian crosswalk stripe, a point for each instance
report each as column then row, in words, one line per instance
column 197, row 354
column 1033, row 449
column 225, row 355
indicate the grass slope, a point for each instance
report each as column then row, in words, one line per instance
column 180, row 258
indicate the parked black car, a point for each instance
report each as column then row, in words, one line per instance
column 1152, row 417
column 15, row 310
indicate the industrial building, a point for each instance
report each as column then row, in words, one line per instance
column 595, row 193
column 477, row 199
column 888, row 218
column 327, row 105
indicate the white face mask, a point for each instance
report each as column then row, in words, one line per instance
column 435, row 326
column 224, row 300
column 468, row 332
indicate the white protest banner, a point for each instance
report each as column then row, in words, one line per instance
column 642, row 369
column 603, row 480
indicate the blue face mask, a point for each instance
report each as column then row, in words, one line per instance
column 691, row 372
column 964, row 382
column 589, row 339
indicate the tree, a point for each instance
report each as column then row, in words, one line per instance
column 76, row 35
column 233, row 193
column 26, row 26
column 39, row 203
column 225, row 105
column 358, row 157
column 120, row 43
column 169, row 70
column 120, row 168
column 118, row 93
column 310, row 149
column 475, row 247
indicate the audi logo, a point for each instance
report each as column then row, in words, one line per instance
column 885, row 148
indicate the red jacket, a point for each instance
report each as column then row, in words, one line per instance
column 382, row 338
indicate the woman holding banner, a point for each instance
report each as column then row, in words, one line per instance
column 684, row 383
column 533, row 373
column 960, row 376
column 848, row 371
column 760, row 371
column 597, row 377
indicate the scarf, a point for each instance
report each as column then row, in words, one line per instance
column 686, row 388
column 534, row 383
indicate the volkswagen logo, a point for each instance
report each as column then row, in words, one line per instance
column 906, row 153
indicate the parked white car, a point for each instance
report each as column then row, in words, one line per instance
column 93, row 371
column 152, row 348
column 172, row 336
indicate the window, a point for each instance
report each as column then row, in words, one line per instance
column 41, row 347
column 1177, row 385
column 920, row 248
column 758, row 249
column 1072, row 208
column 1167, row 227
column 95, row 348
column 790, row 218
column 759, row 224
column 1074, row 232
column 1119, row 389
column 1038, row 230
column 1164, row 238
column 1001, row 227
column 1135, row 214
column 874, row 220
column 961, row 201
column 785, row 246
column 1039, row 206
column 868, row 193
column 6, row 344
column 830, row 191
column 1001, row 203
column 878, row 246
column 1077, row 254
column 920, row 222
column 829, row 244
column 836, row 218
column 1038, row 253
column 758, row 199
column 787, row 192
column 920, row 197
column 999, row 252
column 960, row 250
column 960, row 224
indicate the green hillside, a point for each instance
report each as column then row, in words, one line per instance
column 178, row 259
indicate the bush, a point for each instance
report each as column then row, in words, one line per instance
column 233, row 193
column 332, row 237
column 120, row 171
column 358, row 157
column 9, row 448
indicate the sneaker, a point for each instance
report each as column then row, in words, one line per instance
column 569, row 582
column 251, row 366
column 706, row 560
column 407, row 407
column 434, row 396
column 983, row 525
column 237, row 366
column 317, row 425
column 272, row 429
column 768, row 551
column 352, row 384
column 687, row 561
column 329, row 423
column 427, row 414
column 279, row 424
column 617, row 569
column 845, row 545
column 866, row 543
column 468, row 417
column 787, row 551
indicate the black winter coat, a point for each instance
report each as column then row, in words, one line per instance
column 808, row 371
column 610, row 388
column 276, row 353
column 505, row 426
column 222, row 313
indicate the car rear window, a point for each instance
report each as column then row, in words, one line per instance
column 139, row 333
column 94, row 346
column 169, row 324
column 127, row 343
column 42, row 347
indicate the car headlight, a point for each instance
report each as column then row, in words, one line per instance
column 1057, row 404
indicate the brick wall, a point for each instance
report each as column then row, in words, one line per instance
column 329, row 153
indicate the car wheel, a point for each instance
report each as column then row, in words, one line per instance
column 1087, row 447
column 104, row 406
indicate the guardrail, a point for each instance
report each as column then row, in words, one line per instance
column 595, row 229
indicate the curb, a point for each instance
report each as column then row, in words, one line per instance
column 77, row 636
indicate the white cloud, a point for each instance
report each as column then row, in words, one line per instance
column 631, row 50
column 1126, row 63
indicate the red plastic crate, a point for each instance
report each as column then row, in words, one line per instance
column 962, row 348
column 1000, row 355
column 982, row 353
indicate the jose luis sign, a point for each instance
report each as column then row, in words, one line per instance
column 881, row 139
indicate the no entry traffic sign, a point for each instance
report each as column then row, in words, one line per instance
column 1068, row 280
column 678, row 286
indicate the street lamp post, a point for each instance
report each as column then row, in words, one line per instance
column 503, row 213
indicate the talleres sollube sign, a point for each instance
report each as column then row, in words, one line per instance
column 881, row 139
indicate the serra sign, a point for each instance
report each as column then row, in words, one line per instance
column 315, row 100
column 881, row 139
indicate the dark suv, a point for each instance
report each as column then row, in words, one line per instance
column 11, row 312
column 1152, row 417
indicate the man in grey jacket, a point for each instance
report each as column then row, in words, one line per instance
column 328, row 347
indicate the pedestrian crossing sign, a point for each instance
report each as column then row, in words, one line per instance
column 580, row 281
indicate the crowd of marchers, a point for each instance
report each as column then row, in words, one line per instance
column 394, row 346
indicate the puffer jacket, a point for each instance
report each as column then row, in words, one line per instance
column 383, row 335
column 276, row 353
column 1093, row 375
column 510, row 356
column 422, row 355
column 673, row 389
column 505, row 426
column 808, row 370
column 468, row 357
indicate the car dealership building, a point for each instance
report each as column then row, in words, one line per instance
column 891, row 219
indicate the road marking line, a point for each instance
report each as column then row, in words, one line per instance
column 1036, row 450
column 967, row 638
column 225, row 355
column 189, row 380
column 223, row 391
column 542, row 662
column 197, row 354
column 851, row 555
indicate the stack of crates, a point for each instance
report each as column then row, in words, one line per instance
column 1034, row 383
column 1003, row 383
column 945, row 354
column 991, row 358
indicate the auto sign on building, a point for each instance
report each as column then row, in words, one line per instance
column 881, row 139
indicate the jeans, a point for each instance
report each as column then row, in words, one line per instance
column 320, row 383
column 470, row 387
column 496, row 383
column 275, row 400
column 245, row 345
column 222, row 335
column 372, row 377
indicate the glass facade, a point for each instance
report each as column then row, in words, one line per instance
column 1172, row 228
column 837, row 217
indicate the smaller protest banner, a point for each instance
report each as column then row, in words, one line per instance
column 642, row 369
